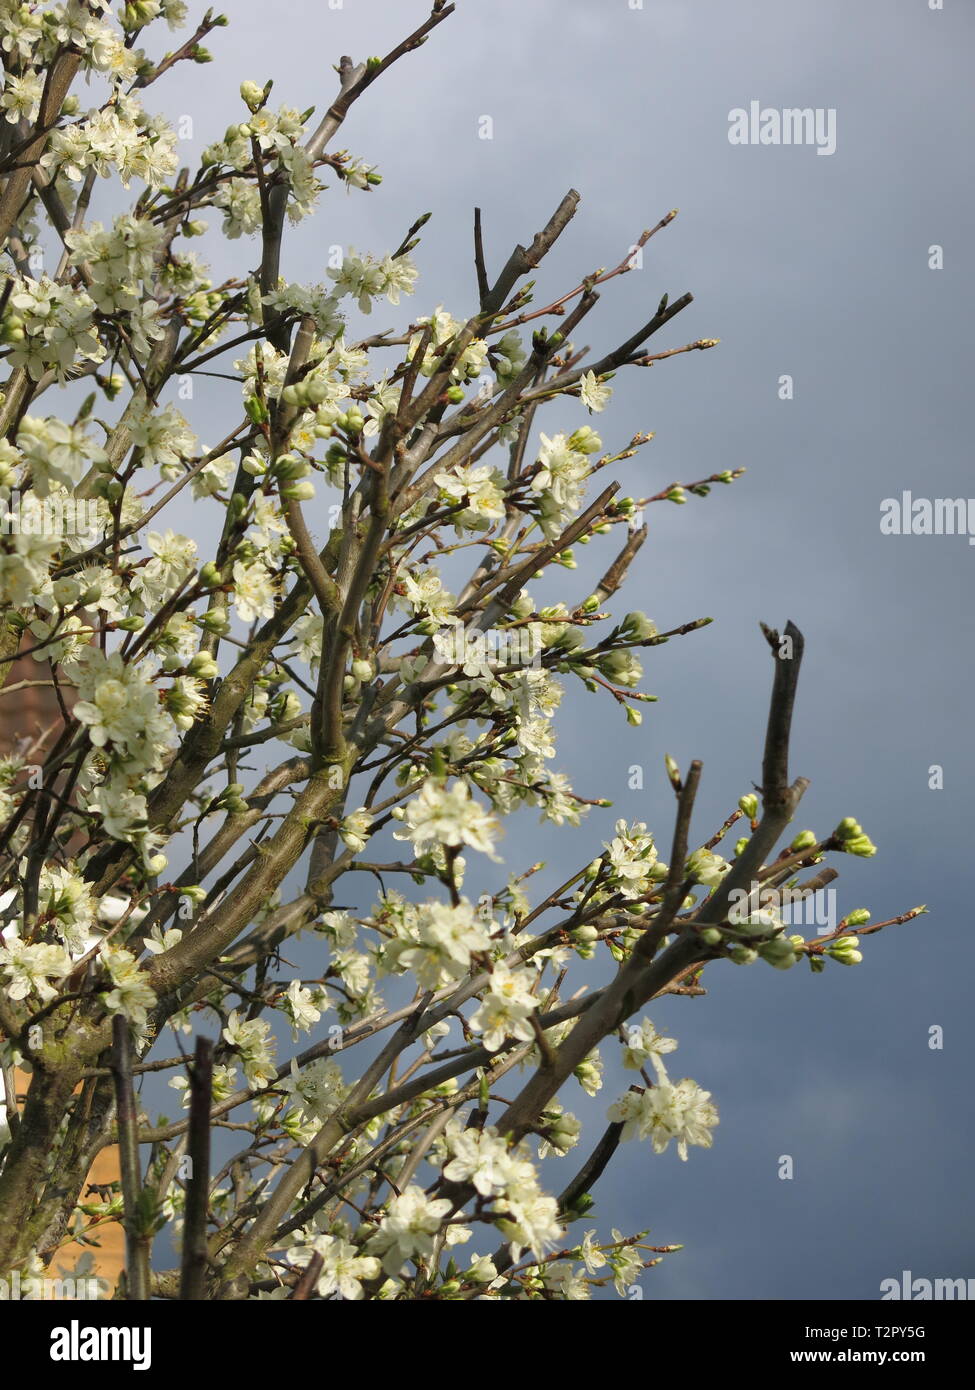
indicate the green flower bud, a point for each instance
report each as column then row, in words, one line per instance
column 857, row 917
column 711, row 936
column 136, row 14
column 582, row 1204
column 804, row 840
column 844, row 950
column 252, row 95
column 748, row 805
column 290, row 467
column 299, row 492
column 842, row 945
column 315, row 390
column 133, row 624
column 590, row 605
column 455, row 394
column 637, row 627
column 778, row 953
column 743, row 955
column 677, row 494
column 216, row 621
column 585, row 441
column 210, row 575
column 203, row 666
column 740, row 845
column 586, row 933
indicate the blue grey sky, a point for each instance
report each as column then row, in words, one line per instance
column 811, row 266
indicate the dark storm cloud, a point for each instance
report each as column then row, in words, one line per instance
column 808, row 266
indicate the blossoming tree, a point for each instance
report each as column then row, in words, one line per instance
column 151, row 882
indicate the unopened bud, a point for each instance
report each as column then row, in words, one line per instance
column 203, row 666
column 252, row 94
column 778, row 953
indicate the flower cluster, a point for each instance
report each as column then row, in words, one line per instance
column 667, row 1110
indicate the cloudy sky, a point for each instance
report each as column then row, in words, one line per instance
column 813, row 266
